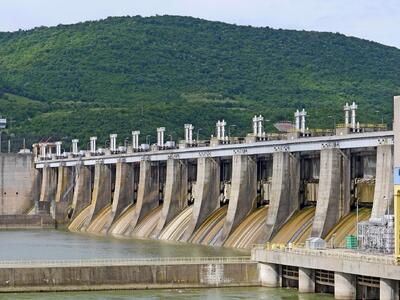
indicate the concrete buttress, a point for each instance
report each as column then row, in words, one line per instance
column 206, row 194
column 383, row 194
column 176, row 191
column 83, row 189
column 101, row 195
column 333, row 192
column 49, row 184
column 148, row 191
column 123, row 192
column 285, row 198
column 64, row 193
column 243, row 193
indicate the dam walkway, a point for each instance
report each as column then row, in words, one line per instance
column 112, row 274
column 124, row 262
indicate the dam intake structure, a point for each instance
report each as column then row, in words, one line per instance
column 226, row 191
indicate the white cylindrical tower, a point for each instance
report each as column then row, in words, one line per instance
column 160, row 136
column 346, row 109
column 260, row 126
column 113, row 142
column 223, row 124
column 58, row 148
column 218, row 127
column 186, row 126
column 135, row 139
column 93, row 140
column 353, row 108
column 255, row 125
column 303, row 115
column 297, row 119
column 190, row 133
column 75, row 146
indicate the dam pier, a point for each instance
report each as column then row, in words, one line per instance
column 295, row 198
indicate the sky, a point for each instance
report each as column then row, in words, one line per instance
column 376, row 20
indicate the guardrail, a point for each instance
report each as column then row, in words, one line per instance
column 341, row 253
column 124, row 262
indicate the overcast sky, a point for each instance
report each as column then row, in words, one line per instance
column 377, row 20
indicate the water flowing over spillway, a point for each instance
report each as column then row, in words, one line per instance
column 146, row 227
column 297, row 229
column 250, row 231
column 99, row 223
column 121, row 226
column 209, row 232
column 175, row 230
column 80, row 220
column 347, row 226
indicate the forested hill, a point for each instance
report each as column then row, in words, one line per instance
column 125, row 73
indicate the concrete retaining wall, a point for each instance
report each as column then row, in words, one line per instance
column 128, row 277
column 26, row 221
column 19, row 183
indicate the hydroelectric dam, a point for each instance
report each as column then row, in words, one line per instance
column 294, row 198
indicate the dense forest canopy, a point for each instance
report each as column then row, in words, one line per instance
column 126, row 73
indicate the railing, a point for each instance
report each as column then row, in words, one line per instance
column 341, row 253
column 124, row 262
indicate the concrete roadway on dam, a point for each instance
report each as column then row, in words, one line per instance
column 348, row 141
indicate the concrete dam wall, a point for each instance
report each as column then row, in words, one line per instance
column 233, row 200
column 280, row 193
column 19, row 183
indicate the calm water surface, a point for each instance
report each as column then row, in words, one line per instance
column 58, row 244
column 207, row 294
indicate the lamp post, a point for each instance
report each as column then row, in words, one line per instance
column 148, row 139
column 126, row 141
column 334, row 122
column 197, row 135
column 377, row 112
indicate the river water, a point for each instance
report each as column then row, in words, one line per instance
column 58, row 244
